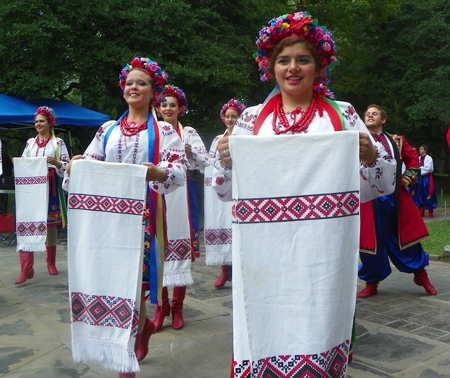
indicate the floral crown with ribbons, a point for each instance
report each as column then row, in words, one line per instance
column 234, row 104
column 176, row 92
column 158, row 77
column 302, row 26
column 49, row 113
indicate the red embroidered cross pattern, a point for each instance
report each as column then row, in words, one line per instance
column 331, row 364
column 208, row 181
column 30, row 180
column 105, row 311
column 31, row 228
column 219, row 236
column 178, row 250
column 106, row 204
column 285, row 209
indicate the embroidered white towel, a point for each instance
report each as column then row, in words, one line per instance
column 295, row 252
column 217, row 228
column 31, row 191
column 105, row 251
column 178, row 253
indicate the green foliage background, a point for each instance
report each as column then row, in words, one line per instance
column 392, row 52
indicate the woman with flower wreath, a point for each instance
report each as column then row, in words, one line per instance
column 46, row 144
column 182, row 213
column 288, row 331
column 218, row 213
column 130, row 140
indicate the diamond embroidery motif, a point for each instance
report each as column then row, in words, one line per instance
column 30, row 180
column 106, row 204
column 218, row 236
column 296, row 208
column 97, row 309
column 122, row 312
column 330, row 364
column 100, row 310
column 31, row 228
column 177, row 250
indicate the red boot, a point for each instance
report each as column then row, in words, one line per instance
column 421, row 279
column 422, row 211
column 26, row 266
column 162, row 311
column 224, row 277
column 51, row 256
column 142, row 342
column 370, row 289
column 127, row 375
column 430, row 213
column 177, row 307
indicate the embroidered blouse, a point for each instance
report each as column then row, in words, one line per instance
column 33, row 150
column 200, row 157
column 134, row 150
column 376, row 179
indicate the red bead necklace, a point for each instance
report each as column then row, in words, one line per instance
column 129, row 130
column 298, row 126
column 42, row 142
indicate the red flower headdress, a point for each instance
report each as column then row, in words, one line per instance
column 176, row 92
column 158, row 77
column 49, row 113
column 299, row 24
column 234, row 104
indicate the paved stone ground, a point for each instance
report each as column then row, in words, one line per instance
column 402, row 331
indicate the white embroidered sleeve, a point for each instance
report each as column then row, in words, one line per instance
column 172, row 159
column 63, row 157
column 200, row 156
column 221, row 176
column 428, row 166
column 377, row 179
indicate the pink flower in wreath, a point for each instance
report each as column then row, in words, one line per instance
column 318, row 34
column 326, row 46
column 265, row 64
column 153, row 67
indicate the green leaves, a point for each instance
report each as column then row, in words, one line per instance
column 392, row 52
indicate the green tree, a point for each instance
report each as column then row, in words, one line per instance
column 75, row 50
column 394, row 53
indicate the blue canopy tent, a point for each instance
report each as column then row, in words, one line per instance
column 17, row 113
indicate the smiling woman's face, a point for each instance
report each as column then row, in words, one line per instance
column 170, row 109
column 42, row 124
column 138, row 88
column 295, row 69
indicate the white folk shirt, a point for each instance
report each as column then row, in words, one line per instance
column 134, row 150
column 376, row 179
column 33, row 150
column 428, row 167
